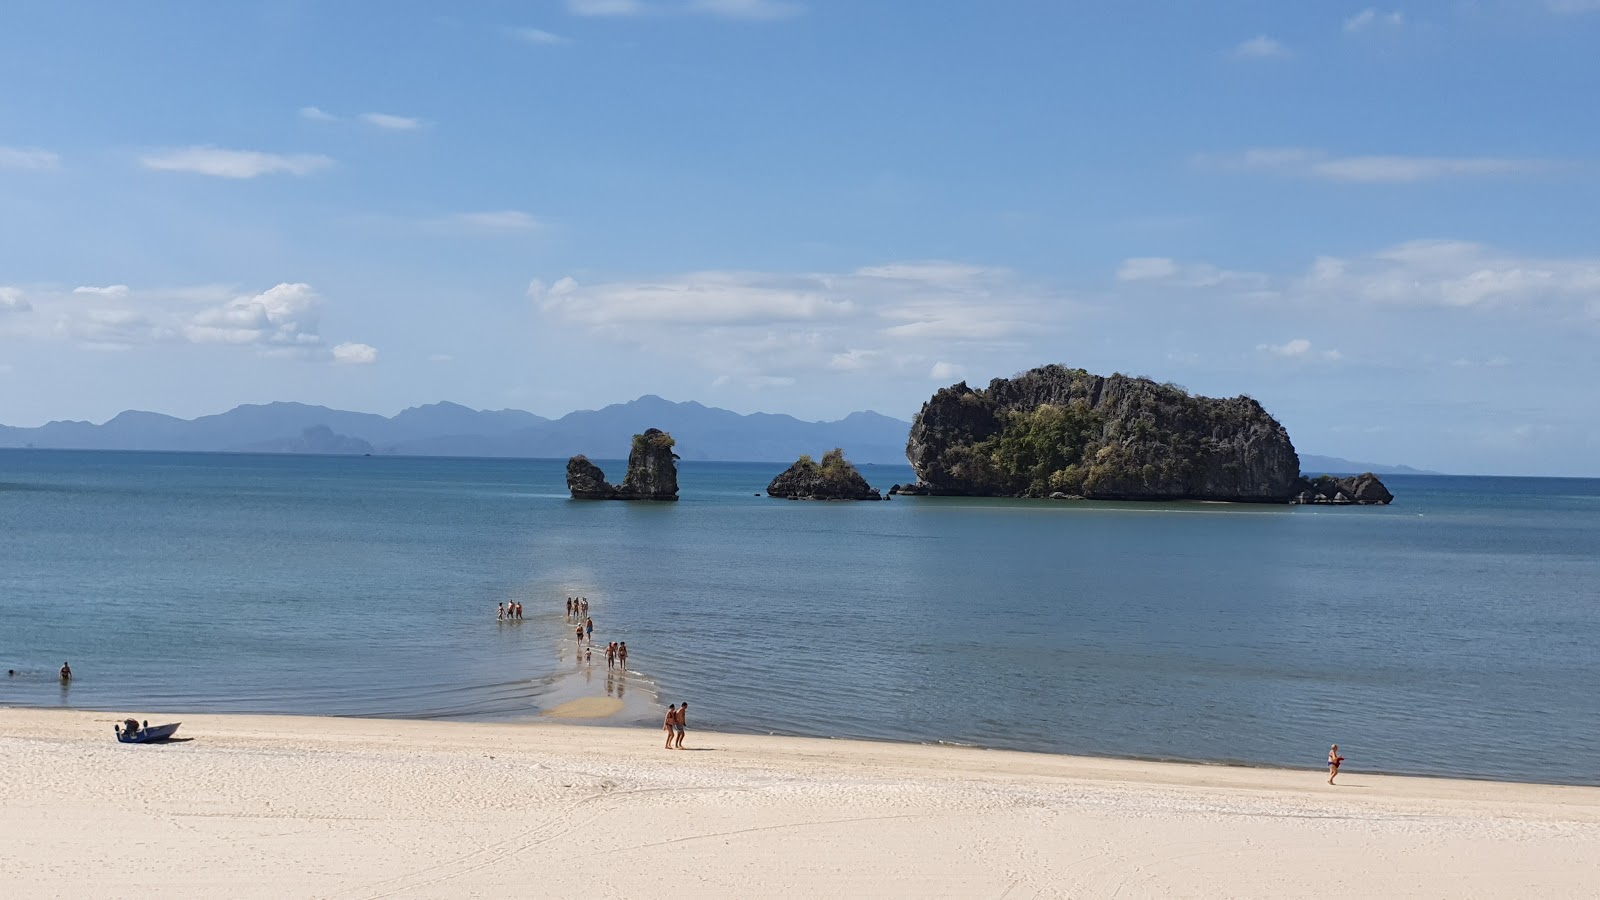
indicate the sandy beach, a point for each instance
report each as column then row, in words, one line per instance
column 316, row 807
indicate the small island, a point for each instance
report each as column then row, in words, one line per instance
column 652, row 472
column 1063, row 433
column 835, row 478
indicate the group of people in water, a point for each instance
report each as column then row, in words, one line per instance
column 512, row 610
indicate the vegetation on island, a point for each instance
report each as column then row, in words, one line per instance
column 834, row 478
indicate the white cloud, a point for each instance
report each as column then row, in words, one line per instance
column 208, row 160
column 441, row 358
column 390, row 123
column 606, row 7
column 1160, row 270
column 1424, row 273
column 283, row 315
column 1299, row 348
column 317, row 115
column 944, row 371
column 886, row 319
column 1374, row 169
column 538, row 36
column 747, row 9
column 1370, row 18
column 28, row 158
column 506, row 220
column 1455, row 274
column 1261, row 47
column 281, row 320
column 110, row 290
column 12, row 301
column 355, row 354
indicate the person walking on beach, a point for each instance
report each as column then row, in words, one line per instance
column 683, row 722
column 1334, row 761
column 622, row 656
column 671, row 724
column 611, row 655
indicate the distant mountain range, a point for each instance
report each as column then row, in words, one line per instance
column 450, row 429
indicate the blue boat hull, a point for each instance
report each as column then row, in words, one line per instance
column 148, row 735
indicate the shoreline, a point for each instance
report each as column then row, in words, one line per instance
column 594, row 711
column 354, row 807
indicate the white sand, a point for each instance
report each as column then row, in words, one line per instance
column 270, row 807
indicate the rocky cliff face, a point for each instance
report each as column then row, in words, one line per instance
column 1060, row 431
column 652, row 472
column 832, row 479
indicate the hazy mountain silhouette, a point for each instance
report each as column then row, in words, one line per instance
column 449, row 429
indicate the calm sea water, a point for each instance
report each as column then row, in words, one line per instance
column 1456, row 632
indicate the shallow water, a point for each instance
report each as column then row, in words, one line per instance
column 1454, row 632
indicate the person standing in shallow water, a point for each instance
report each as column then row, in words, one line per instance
column 1334, row 761
column 622, row 656
column 611, row 655
column 66, row 671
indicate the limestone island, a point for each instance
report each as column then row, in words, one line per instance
column 835, row 478
column 652, row 472
column 1067, row 434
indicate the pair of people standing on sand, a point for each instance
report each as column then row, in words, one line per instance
column 677, row 721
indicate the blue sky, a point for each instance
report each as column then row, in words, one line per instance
column 1378, row 220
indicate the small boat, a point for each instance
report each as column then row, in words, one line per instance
column 131, row 732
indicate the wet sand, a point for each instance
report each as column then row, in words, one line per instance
column 255, row 806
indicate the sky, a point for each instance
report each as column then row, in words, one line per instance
column 1379, row 221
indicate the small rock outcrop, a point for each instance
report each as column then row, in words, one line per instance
column 1060, row 431
column 832, row 479
column 652, row 472
column 1361, row 490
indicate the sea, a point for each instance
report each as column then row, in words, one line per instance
column 1455, row 632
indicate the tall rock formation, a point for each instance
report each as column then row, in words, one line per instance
column 832, row 479
column 652, row 472
column 1056, row 431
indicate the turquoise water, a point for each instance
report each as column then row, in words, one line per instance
column 1453, row 633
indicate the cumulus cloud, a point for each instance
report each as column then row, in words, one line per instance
column 1261, row 47
column 12, row 301
column 1373, row 169
column 355, row 354
column 222, row 163
column 1369, row 19
column 892, row 318
column 28, row 158
column 282, row 320
column 389, row 122
column 944, row 371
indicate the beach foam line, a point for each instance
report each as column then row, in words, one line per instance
column 272, row 806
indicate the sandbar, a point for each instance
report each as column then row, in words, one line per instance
column 269, row 806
